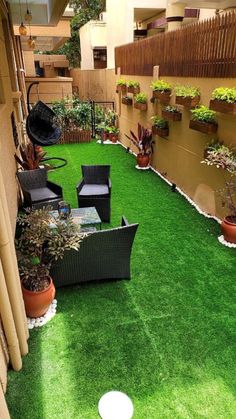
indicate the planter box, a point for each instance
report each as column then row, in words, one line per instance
column 188, row 101
column 205, row 127
column 127, row 101
column 222, row 106
column 162, row 132
column 78, row 136
column 134, row 90
column 121, row 89
column 163, row 97
column 172, row 116
column 140, row 106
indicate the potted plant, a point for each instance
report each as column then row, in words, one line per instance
column 223, row 157
column 160, row 126
column 29, row 158
column 188, row 96
column 203, row 120
column 127, row 100
column 140, row 101
column 133, row 86
column 224, row 100
column 144, row 143
column 41, row 240
column 161, row 90
column 113, row 134
column 121, row 86
column 171, row 113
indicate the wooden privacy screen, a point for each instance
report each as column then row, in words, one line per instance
column 205, row 49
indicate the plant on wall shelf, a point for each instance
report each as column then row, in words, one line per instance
column 203, row 120
column 160, row 126
column 140, row 101
column 188, row 96
column 121, row 85
column 224, row 100
column 144, row 143
column 223, row 157
column 133, row 86
column 161, row 90
column 127, row 100
column 171, row 113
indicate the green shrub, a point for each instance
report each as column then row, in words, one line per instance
column 159, row 122
column 187, row 91
column 160, row 86
column 204, row 114
column 133, row 83
column 141, row 98
column 227, row 94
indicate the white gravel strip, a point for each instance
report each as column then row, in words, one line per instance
column 41, row 321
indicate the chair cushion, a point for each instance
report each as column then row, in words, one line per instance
column 42, row 194
column 94, row 190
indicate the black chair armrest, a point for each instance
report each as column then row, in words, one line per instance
column 124, row 221
column 54, row 187
column 27, row 197
column 109, row 184
column 80, row 185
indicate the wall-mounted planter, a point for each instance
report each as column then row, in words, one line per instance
column 162, row 132
column 205, row 127
column 121, row 89
column 188, row 102
column 223, row 106
column 163, row 97
column 140, row 106
column 127, row 101
column 172, row 116
column 134, row 90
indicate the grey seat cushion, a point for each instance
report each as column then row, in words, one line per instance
column 42, row 194
column 94, row 190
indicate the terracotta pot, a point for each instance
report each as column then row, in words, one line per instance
column 228, row 228
column 223, row 106
column 143, row 160
column 113, row 137
column 187, row 101
column 205, row 127
column 164, row 97
column 38, row 302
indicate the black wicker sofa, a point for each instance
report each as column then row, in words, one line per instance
column 104, row 254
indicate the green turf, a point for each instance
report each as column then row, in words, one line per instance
column 166, row 338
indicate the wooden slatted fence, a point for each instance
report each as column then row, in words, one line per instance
column 203, row 49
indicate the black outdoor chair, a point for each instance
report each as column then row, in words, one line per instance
column 94, row 190
column 104, row 254
column 38, row 192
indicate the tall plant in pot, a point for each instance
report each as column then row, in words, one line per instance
column 144, row 143
column 41, row 240
column 221, row 156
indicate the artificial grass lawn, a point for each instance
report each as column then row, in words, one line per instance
column 166, row 338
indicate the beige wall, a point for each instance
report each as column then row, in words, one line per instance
column 94, row 84
column 49, row 89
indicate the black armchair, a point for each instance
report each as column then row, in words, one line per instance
column 37, row 190
column 94, row 190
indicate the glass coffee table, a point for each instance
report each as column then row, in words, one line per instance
column 87, row 216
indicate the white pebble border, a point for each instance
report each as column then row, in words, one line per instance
column 220, row 238
column 142, row 168
column 108, row 142
column 41, row 321
column 225, row 243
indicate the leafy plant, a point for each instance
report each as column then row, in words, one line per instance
column 141, row 98
column 160, row 86
column 72, row 114
column 114, row 130
column 133, row 83
column 160, row 122
column 187, row 91
column 204, row 114
column 221, row 156
column 111, row 117
column 227, row 94
column 43, row 239
column 172, row 109
column 121, row 82
column 143, row 141
column 29, row 158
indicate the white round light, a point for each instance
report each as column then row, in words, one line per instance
column 115, row 405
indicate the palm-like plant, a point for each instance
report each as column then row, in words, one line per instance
column 29, row 158
column 143, row 141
